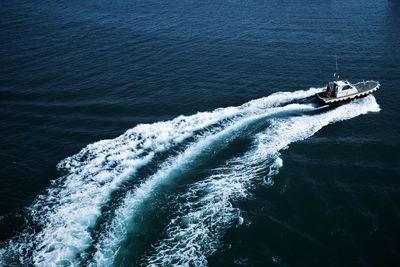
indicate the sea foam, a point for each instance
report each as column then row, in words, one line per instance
column 110, row 241
column 64, row 216
column 194, row 233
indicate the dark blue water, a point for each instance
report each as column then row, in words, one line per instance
column 214, row 151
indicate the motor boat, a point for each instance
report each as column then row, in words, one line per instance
column 341, row 91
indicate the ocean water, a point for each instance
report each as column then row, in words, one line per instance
column 137, row 133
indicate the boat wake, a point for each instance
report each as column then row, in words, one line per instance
column 85, row 215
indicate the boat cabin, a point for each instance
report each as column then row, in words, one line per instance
column 341, row 88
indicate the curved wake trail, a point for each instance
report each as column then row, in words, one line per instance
column 207, row 210
column 64, row 216
column 108, row 246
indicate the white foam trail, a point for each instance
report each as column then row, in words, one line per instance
column 73, row 203
column 194, row 233
column 273, row 170
column 108, row 246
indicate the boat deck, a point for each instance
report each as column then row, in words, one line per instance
column 365, row 86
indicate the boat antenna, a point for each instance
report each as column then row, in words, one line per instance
column 336, row 62
column 336, row 73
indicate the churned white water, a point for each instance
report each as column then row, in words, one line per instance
column 66, row 213
column 195, row 231
column 108, row 246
